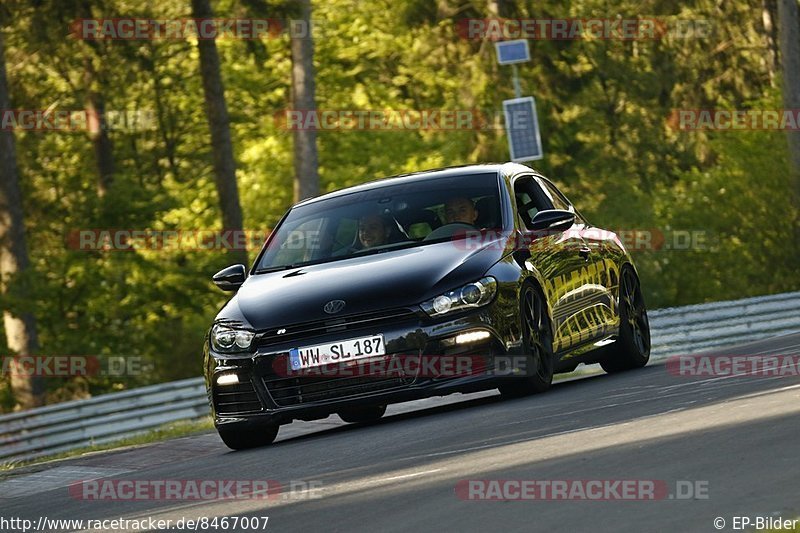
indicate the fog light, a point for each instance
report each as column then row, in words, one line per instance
column 228, row 379
column 472, row 336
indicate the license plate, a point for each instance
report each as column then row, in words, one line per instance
column 336, row 352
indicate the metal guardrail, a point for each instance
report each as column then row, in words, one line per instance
column 69, row 425
column 692, row 328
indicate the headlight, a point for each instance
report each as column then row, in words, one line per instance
column 229, row 340
column 476, row 294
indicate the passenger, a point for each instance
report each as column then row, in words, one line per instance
column 460, row 209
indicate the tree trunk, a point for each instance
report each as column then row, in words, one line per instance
column 20, row 328
column 789, row 36
column 98, row 130
column 770, row 33
column 219, row 122
column 306, row 165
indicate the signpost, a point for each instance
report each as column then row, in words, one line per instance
column 522, row 122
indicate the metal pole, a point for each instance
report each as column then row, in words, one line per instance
column 517, row 88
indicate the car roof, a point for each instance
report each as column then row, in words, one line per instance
column 506, row 169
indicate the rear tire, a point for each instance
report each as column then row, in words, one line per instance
column 537, row 338
column 632, row 347
column 243, row 439
column 362, row 415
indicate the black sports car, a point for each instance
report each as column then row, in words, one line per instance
column 459, row 279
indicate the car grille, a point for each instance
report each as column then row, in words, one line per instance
column 236, row 399
column 287, row 391
column 321, row 327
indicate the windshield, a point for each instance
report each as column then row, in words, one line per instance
column 405, row 215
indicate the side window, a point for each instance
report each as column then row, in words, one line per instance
column 559, row 201
column 530, row 200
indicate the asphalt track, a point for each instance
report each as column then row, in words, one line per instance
column 733, row 440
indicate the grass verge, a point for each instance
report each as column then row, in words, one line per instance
column 168, row 431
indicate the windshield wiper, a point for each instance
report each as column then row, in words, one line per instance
column 278, row 268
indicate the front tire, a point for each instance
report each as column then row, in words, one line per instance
column 244, row 439
column 632, row 348
column 538, row 342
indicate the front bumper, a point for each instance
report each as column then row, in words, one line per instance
column 267, row 393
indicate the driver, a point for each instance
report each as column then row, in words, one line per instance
column 372, row 231
column 460, row 209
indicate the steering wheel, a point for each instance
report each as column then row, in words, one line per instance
column 448, row 230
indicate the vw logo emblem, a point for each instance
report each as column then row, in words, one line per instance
column 333, row 307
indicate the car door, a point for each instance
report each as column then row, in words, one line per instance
column 600, row 268
column 557, row 256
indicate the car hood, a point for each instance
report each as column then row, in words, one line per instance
column 396, row 278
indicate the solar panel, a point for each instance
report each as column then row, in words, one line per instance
column 522, row 128
column 510, row 52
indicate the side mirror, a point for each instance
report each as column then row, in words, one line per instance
column 230, row 278
column 553, row 220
